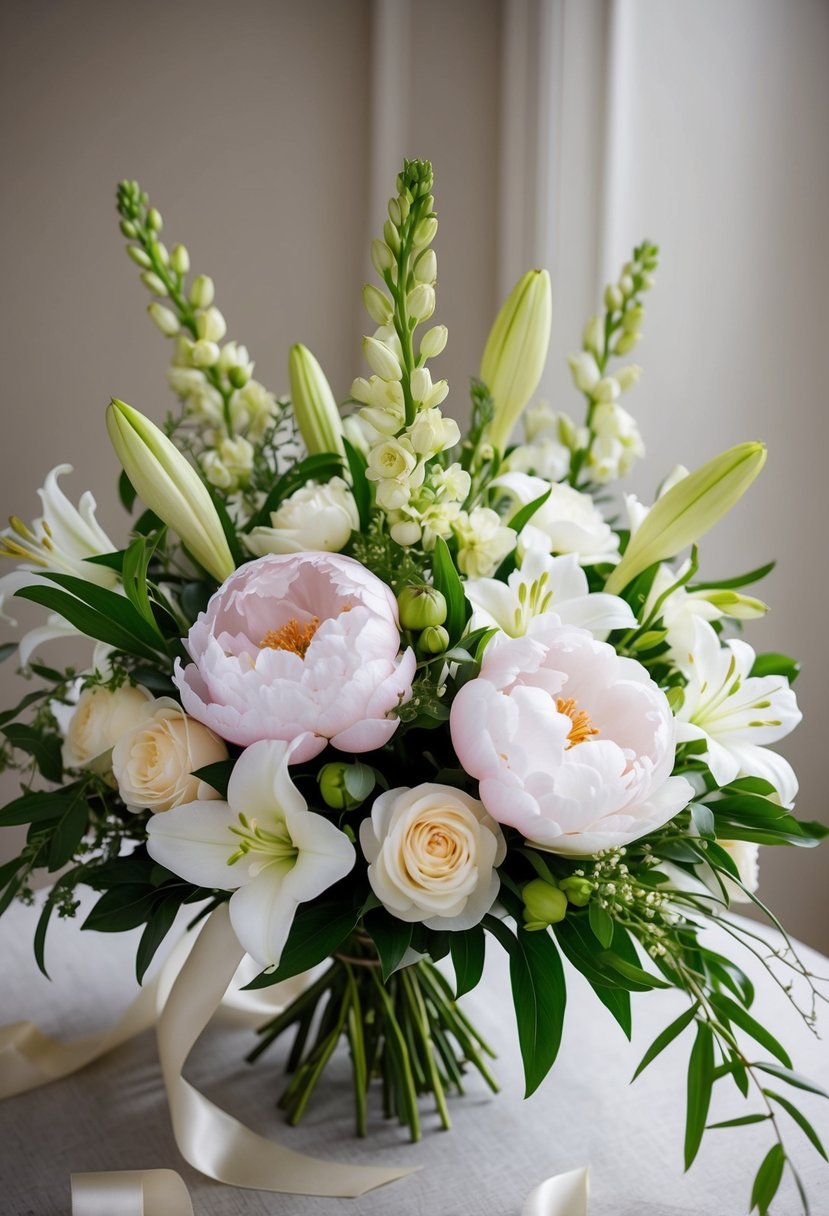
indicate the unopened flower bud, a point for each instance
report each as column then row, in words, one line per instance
column 648, row 281
column 516, row 351
column 139, row 256
column 128, row 229
column 202, row 291
column 426, row 231
column 421, row 302
column 626, row 285
column 613, row 298
column 159, row 252
column 211, row 325
column 377, row 305
column 607, row 389
column 153, row 283
column 315, row 409
column 544, row 904
column 433, row 341
column 584, row 370
column 154, row 220
column 180, row 260
column 628, row 376
column 578, row 890
column 632, row 320
column 433, row 640
column 391, row 236
column 381, row 359
column 164, row 318
column 204, row 353
column 426, row 267
column 626, row 343
column 593, row 336
column 405, row 533
column 332, row 783
column 421, row 607
column 382, row 258
column 238, row 376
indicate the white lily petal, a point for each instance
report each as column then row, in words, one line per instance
column 195, row 842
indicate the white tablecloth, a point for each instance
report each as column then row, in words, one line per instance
column 113, row 1115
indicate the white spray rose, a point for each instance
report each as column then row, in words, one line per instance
column 317, row 518
column 154, row 761
column 483, row 541
column 433, row 853
column 101, row 717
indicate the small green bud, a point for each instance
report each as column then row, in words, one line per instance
column 139, row 256
column 128, row 229
column 377, row 305
column 159, row 252
column 433, row 341
column 153, row 283
column 164, row 318
column 632, row 320
column 395, row 214
column 238, row 376
column 613, row 298
column 421, row 607
column 543, row 904
column 331, row 779
column 421, row 302
column 433, row 640
column 626, row 285
column 626, row 343
column 426, row 267
column 154, row 221
column 180, row 259
column 578, row 890
column 382, row 258
column 202, row 291
column 426, row 232
column 391, row 236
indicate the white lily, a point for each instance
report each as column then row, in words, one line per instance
column 680, row 608
column 736, row 713
column 545, row 584
column 262, row 843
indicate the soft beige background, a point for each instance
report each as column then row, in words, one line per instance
column 561, row 130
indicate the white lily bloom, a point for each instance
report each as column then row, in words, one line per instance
column 736, row 713
column 263, row 844
column 545, row 584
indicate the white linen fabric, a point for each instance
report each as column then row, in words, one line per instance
column 113, row 1115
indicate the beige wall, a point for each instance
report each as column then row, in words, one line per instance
column 252, row 127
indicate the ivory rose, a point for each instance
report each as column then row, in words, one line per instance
column 432, row 853
column 154, row 762
column 572, row 745
column 101, row 717
column 300, row 644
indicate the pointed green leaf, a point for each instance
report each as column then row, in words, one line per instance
column 800, row 1119
column 448, row 582
column 391, row 936
column 732, row 1012
column 700, row 1081
column 360, row 487
column 667, row 1036
column 768, row 1179
column 468, row 953
column 791, row 1078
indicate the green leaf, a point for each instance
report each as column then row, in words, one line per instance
column 579, row 946
column 632, row 972
column 448, row 582
column 700, row 1081
column 703, row 818
column 7, row 649
column 791, row 1078
column 95, row 624
column 157, row 928
column 30, row 698
column 66, row 880
column 359, row 483
column 800, row 1119
column 732, row 1012
column 776, row 665
column 600, row 922
column 468, row 953
column 46, row 749
column 742, row 1121
column 391, row 936
column 216, row 775
column 121, row 909
column 667, row 1036
column 126, row 492
column 768, row 1179
column 317, row 931
column 739, row 580
column 359, row 780
column 136, row 562
column 194, row 598
column 69, row 830
column 110, row 603
column 32, row 808
column 539, row 995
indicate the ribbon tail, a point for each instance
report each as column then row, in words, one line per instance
column 130, row 1193
column 562, row 1195
column 208, row 1137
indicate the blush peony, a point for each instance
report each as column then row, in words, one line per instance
column 300, row 644
column 572, row 745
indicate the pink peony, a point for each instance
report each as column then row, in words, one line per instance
column 298, row 644
column 572, row 745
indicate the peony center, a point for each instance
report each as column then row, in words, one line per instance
column 291, row 636
column 582, row 728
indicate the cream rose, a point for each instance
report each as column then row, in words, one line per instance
column 319, row 518
column 154, row 761
column 101, row 717
column 432, row 853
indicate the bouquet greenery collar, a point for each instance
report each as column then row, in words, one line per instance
column 392, row 690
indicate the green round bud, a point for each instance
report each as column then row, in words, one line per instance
column 578, row 890
column 543, row 904
column 433, row 640
column 238, row 376
column 331, row 779
column 421, row 607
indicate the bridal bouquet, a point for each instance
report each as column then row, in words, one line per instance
column 392, row 689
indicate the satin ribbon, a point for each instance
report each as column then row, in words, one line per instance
column 163, row 1193
column 188, row 991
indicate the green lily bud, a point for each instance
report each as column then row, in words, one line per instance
column 739, row 607
column 315, row 409
column 421, row 607
column 544, row 904
column 433, row 640
column 516, row 351
column 333, row 789
column 167, row 484
column 687, row 511
column 578, row 890
column 202, row 291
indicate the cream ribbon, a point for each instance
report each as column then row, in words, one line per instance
column 163, row 1193
column 188, row 991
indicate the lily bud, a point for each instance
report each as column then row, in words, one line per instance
column 315, row 409
column 734, row 604
column 421, row 607
column 202, row 291
column 544, row 904
column 167, row 484
column 686, row 512
column 164, row 318
column 516, row 351
column 381, row 359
